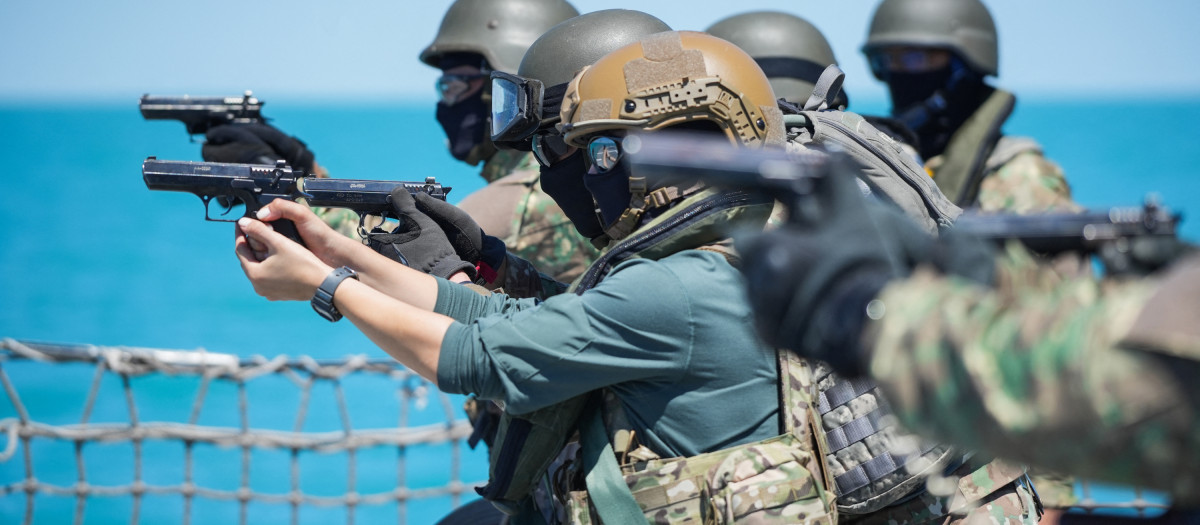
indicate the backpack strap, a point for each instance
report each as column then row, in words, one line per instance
column 826, row 89
column 961, row 173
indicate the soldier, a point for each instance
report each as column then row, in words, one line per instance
column 934, row 56
column 656, row 322
column 793, row 53
column 477, row 37
column 551, row 61
column 1005, row 355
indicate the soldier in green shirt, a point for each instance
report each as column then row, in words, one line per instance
column 657, row 321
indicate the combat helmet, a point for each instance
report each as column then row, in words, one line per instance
column 964, row 27
column 676, row 78
column 500, row 30
column 791, row 51
column 531, row 99
column 669, row 79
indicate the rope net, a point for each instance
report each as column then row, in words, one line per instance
column 305, row 373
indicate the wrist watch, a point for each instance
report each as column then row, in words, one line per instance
column 322, row 301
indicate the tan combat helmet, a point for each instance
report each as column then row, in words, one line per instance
column 673, row 78
column 500, row 30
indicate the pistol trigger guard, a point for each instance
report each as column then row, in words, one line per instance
column 362, row 228
column 207, row 200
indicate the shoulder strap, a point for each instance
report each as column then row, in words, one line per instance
column 605, row 484
column 827, row 88
column 963, row 169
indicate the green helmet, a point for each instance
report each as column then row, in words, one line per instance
column 500, row 30
column 964, row 27
column 571, row 45
column 790, row 50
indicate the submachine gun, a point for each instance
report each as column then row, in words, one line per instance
column 256, row 185
column 1126, row 239
column 198, row 114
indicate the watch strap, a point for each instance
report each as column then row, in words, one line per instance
column 322, row 301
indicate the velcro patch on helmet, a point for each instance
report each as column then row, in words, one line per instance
column 644, row 73
column 773, row 118
column 662, row 47
column 595, row 109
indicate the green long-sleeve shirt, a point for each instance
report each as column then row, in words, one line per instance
column 672, row 338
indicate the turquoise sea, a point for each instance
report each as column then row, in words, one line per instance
column 89, row 255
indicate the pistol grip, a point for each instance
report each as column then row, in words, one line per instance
column 288, row 228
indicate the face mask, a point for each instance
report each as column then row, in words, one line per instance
column 465, row 124
column 935, row 103
column 610, row 191
column 564, row 183
column 909, row 89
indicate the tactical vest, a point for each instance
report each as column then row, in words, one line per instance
column 779, row 479
column 871, row 470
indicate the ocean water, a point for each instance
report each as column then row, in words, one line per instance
column 89, row 255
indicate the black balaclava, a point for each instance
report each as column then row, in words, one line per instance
column 564, row 182
column 465, row 123
column 933, row 104
column 610, row 190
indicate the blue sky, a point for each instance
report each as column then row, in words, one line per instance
column 305, row 49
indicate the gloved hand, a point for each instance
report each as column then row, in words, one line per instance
column 255, row 144
column 418, row 242
column 468, row 239
column 810, row 281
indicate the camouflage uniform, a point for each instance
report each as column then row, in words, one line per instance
column 514, row 208
column 1019, row 179
column 1095, row 377
column 342, row 220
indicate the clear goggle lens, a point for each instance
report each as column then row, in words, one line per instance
column 505, row 104
column 452, row 89
column 886, row 61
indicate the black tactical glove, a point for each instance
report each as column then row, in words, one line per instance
column 418, row 242
column 468, row 239
column 810, row 282
column 255, row 144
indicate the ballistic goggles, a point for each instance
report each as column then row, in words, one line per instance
column 906, row 60
column 451, row 88
column 516, row 106
column 520, row 106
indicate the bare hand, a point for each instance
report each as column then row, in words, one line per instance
column 279, row 268
column 331, row 247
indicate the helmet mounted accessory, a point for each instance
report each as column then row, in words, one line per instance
column 516, row 106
